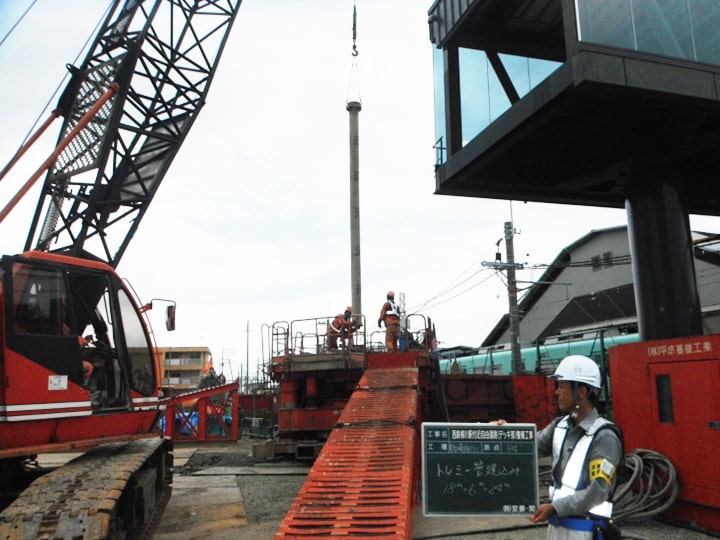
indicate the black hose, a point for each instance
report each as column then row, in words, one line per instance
column 647, row 486
column 651, row 488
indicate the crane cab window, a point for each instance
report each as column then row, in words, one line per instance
column 81, row 322
column 39, row 301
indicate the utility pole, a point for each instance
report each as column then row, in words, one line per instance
column 513, row 315
column 247, row 357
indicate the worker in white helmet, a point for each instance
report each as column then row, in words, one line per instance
column 586, row 451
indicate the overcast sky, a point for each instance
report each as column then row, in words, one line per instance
column 251, row 223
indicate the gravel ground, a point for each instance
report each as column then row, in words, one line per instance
column 268, row 497
column 651, row 530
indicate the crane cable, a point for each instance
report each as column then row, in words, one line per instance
column 354, row 79
column 354, row 47
column 14, row 26
column 34, row 134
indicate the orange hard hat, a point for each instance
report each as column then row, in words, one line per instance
column 349, row 308
column 390, row 293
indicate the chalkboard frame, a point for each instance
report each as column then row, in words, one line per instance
column 460, row 498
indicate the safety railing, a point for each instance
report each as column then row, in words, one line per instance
column 205, row 415
column 310, row 336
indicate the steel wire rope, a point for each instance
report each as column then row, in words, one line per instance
column 12, row 28
column 64, row 78
column 354, row 67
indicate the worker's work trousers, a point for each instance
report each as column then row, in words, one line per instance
column 392, row 332
column 332, row 339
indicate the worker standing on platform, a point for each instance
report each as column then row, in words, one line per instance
column 391, row 316
column 339, row 328
column 586, row 451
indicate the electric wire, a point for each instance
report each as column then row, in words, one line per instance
column 453, row 285
column 429, row 305
column 435, row 301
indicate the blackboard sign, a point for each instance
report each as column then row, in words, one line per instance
column 479, row 469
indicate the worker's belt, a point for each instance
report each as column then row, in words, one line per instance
column 576, row 523
column 601, row 528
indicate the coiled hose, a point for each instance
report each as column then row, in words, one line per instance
column 650, row 489
column 647, row 486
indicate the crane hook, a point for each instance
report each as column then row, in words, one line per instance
column 354, row 51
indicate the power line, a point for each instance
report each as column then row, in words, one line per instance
column 453, row 285
column 456, row 295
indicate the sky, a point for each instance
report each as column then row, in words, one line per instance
column 251, row 225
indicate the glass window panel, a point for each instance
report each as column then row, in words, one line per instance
column 141, row 360
column 39, row 301
column 705, row 20
column 439, row 82
column 606, row 22
column 527, row 73
column 663, row 27
column 685, row 29
column 476, row 93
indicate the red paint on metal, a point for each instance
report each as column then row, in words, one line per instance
column 534, row 399
column 393, row 360
column 363, row 482
column 209, row 407
column 665, row 399
column 482, row 398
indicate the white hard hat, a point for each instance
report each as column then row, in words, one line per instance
column 580, row 369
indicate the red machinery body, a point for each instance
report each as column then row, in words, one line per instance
column 317, row 381
column 315, row 385
column 77, row 366
column 527, row 398
column 665, row 398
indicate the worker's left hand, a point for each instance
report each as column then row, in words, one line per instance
column 544, row 511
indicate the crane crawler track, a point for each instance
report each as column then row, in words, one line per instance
column 112, row 491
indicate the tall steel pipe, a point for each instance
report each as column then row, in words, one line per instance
column 353, row 107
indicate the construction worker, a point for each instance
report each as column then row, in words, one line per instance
column 339, row 328
column 390, row 315
column 586, row 450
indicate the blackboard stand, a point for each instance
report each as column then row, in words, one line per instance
column 479, row 469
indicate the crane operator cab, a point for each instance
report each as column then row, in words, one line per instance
column 73, row 330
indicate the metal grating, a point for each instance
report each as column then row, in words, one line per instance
column 362, row 483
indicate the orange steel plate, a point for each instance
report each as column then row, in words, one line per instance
column 362, row 483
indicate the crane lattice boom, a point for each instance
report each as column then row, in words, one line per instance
column 163, row 54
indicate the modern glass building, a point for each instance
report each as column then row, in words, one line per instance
column 611, row 103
